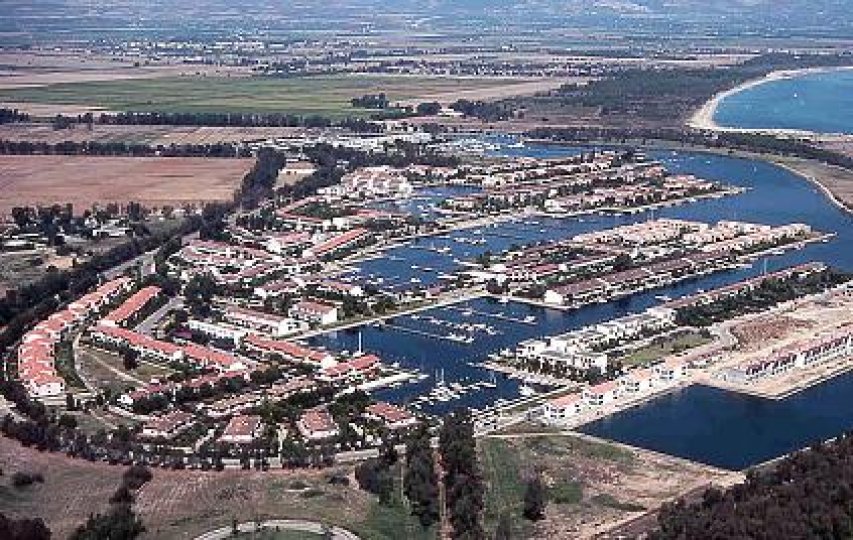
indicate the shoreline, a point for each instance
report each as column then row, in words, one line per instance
column 703, row 119
column 773, row 159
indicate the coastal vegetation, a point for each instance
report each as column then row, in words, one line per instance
column 806, row 495
column 768, row 293
column 664, row 96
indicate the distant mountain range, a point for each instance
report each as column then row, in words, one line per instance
column 125, row 18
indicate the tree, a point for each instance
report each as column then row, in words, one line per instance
column 199, row 292
column 428, row 108
column 462, row 480
column 535, row 499
column 121, row 523
column 130, row 359
column 504, row 528
column 372, row 476
column 420, row 480
column 23, row 529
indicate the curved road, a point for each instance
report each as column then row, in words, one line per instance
column 281, row 524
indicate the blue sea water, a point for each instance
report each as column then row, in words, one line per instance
column 821, row 102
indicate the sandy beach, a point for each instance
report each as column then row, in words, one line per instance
column 704, row 117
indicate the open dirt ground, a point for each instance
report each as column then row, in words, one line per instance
column 83, row 180
column 153, row 135
column 184, row 504
column 594, row 485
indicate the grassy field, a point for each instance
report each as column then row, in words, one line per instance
column 184, row 504
column 667, row 346
column 321, row 95
column 592, row 484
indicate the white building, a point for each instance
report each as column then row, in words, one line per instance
column 217, row 331
column 561, row 409
column 268, row 323
column 314, row 312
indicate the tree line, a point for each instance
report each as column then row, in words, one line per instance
column 98, row 148
column 216, row 119
column 8, row 116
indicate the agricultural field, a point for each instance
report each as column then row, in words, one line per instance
column 152, row 135
column 592, row 485
column 84, row 181
column 320, row 95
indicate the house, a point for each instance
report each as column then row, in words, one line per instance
column 296, row 169
column 561, row 409
column 242, row 430
column 317, row 424
column 288, row 351
column 357, row 370
column 167, row 426
column 314, row 312
column 340, row 288
column 207, row 357
column 391, row 416
column 636, row 381
column 601, row 394
column 218, row 331
column 131, row 307
column 671, row 369
column 268, row 323
column 232, row 405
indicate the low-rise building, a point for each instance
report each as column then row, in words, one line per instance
column 131, row 307
column 560, row 410
column 391, row 416
column 601, row 394
column 167, row 426
column 317, row 424
column 268, row 323
column 316, row 312
column 242, row 430
column 354, row 371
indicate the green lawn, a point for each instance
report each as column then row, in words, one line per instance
column 321, row 95
column 667, row 346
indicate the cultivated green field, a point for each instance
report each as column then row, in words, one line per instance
column 320, row 95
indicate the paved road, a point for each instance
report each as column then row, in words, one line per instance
column 319, row 529
column 147, row 326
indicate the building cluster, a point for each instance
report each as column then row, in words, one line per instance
column 824, row 347
column 572, row 185
column 37, row 351
column 370, row 183
column 541, row 263
column 724, row 236
column 631, row 385
column 583, row 349
column 641, row 278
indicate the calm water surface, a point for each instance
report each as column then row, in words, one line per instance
column 819, row 102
